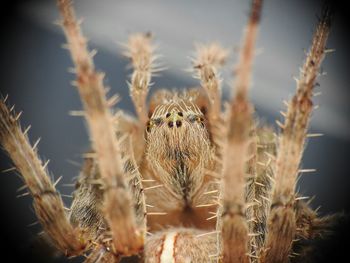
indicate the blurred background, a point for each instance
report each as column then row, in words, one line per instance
column 34, row 72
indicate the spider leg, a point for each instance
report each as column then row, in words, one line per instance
column 47, row 203
column 140, row 51
column 87, row 204
column 282, row 221
column 101, row 255
column 262, row 151
column 232, row 217
column 206, row 64
column 128, row 237
column 86, row 209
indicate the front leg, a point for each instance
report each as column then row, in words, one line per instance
column 128, row 237
column 232, row 218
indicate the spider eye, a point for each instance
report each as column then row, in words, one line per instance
column 178, row 123
column 192, row 118
column 203, row 110
column 148, row 126
column 157, row 121
column 196, row 118
column 154, row 122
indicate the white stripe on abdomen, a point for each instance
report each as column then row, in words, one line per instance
column 167, row 255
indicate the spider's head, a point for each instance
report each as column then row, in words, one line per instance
column 178, row 146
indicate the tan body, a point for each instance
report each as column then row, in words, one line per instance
column 190, row 179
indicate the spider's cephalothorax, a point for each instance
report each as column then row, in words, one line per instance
column 178, row 148
column 187, row 183
column 177, row 155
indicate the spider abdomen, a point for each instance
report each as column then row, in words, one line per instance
column 181, row 245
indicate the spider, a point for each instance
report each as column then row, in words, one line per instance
column 191, row 178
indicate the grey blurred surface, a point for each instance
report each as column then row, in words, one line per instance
column 286, row 30
column 34, row 74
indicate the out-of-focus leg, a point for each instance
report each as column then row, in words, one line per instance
column 48, row 204
column 232, row 217
column 207, row 62
column 282, row 220
column 140, row 51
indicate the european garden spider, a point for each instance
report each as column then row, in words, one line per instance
column 185, row 181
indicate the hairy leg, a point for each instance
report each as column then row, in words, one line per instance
column 101, row 255
column 262, row 152
column 128, row 237
column 140, row 51
column 48, row 204
column 86, row 210
column 206, row 66
column 232, row 218
column 282, row 221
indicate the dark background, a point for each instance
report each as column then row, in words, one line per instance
column 34, row 73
